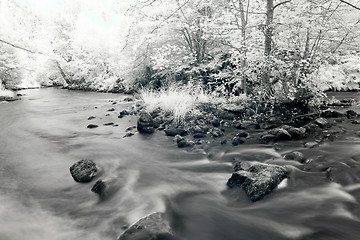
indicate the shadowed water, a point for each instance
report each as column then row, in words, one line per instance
column 42, row 135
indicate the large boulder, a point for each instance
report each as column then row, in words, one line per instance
column 83, row 170
column 145, row 123
column 256, row 179
column 152, row 227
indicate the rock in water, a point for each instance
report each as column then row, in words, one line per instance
column 99, row 187
column 83, row 170
column 256, row 179
column 152, row 227
column 145, row 123
column 92, row 126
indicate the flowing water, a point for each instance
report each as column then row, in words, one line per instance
column 43, row 134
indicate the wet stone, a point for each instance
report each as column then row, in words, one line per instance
column 91, row 117
column 152, row 227
column 83, row 170
column 92, row 126
column 242, row 134
column 295, row 156
column 145, row 123
column 99, row 187
column 256, row 179
column 236, row 141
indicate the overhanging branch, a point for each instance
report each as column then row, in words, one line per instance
column 358, row 8
column 281, row 4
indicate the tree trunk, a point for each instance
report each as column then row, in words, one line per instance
column 243, row 43
column 268, row 26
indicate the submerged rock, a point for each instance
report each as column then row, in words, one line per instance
column 185, row 143
column 296, row 156
column 123, row 113
column 256, row 179
column 99, row 187
column 91, row 117
column 83, row 170
column 92, row 126
column 351, row 114
column 152, row 227
column 145, row 123
column 236, row 141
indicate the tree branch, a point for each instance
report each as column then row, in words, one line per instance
column 281, row 4
column 25, row 49
column 358, row 8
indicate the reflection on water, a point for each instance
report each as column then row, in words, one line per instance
column 45, row 133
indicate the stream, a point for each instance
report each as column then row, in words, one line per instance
column 46, row 132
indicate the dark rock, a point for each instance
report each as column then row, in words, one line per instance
column 130, row 128
column 173, row 131
column 111, row 110
column 92, row 126
column 123, row 113
column 99, row 187
column 83, row 170
column 355, row 122
column 128, row 99
column 331, row 114
column 350, row 114
column 91, row 117
column 185, row 143
column 152, row 227
column 223, row 142
column 256, row 179
column 296, row 156
column 215, row 122
column 280, row 133
column 322, row 122
column 109, row 124
column 267, row 138
column 158, row 121
column 145, row 123
column 199, row 135
column 242, row 134
column 129, row 134
column 236, row 141
column 155, row 113
column 178, row 138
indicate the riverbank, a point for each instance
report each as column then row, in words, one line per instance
column 46, row 132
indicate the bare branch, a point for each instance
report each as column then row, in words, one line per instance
column 358, row 8
column 281, row 4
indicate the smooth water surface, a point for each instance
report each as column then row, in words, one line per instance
column 43, row 134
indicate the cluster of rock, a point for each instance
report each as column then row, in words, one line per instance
column 84, row 171
column 155, row 226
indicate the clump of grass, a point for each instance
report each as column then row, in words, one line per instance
column 177, row 99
